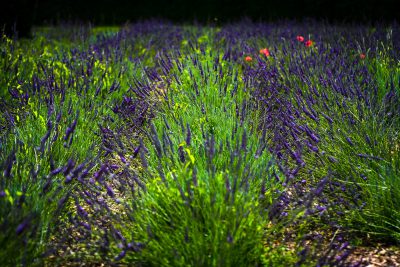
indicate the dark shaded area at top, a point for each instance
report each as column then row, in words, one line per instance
column 22, row 14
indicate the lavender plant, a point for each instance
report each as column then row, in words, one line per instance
column 209, row 180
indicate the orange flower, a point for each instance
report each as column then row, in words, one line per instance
column 309, row 43
column 265, row 52
column 248, row 59
column 300, row 38
column 362, row 56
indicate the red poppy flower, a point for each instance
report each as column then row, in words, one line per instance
column 362, row 56
column 265, row 52
column 248, row 59
column 309, row 43
column 300, row 38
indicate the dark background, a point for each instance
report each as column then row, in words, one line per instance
column 20, row 15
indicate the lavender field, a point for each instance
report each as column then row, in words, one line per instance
column 156, row 144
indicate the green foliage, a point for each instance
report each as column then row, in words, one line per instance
column 205, row 229
column 207, row 210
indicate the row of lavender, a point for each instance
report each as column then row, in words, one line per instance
column 77, row 145
column 331, row 106
column 59, row 103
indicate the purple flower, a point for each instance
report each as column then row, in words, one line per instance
column 332, row 159
column 56, row 171
column 122, row 159
column 136, row 151
column 121, row 255
column 369, row 156
column 321, row 208
column 110, row 192
column 86, row 225
column 97, row 175
column 70, row 165
column 244, row 141
column 71, row 128
column 363, row 176
column 181, row 154
column 62, row 201
column 81, row 211
column 119, row 235
column 22, row 226
column 349, row 141
column 188, row 135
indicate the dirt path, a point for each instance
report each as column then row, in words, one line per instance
column 375, row 256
